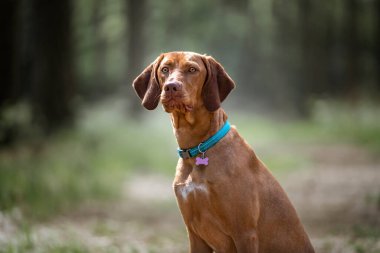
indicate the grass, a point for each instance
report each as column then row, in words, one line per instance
column 365, row 238
column 47, row 176
column 26, row 244
column 68, row 248
column 266, row 136
column 357, row 123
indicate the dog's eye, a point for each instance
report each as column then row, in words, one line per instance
column 165, row 70
column 192, row 69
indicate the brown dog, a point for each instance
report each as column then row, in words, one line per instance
column 230, row 203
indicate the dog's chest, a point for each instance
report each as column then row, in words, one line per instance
column 190, row 190
column 196, row 197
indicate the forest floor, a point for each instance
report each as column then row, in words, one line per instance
column 337, row 195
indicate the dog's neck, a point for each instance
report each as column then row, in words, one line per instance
column 194, row 127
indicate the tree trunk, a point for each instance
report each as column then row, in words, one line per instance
column 100, row 46
column 377, row 42
column 305, row 66
column 136, row 15
column 8, row 15
column 52, row 81
column 8, row 95
column 352, row 50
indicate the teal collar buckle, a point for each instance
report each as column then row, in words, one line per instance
column 204, row 146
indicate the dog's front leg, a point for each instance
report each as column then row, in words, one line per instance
column 197, row 245
column 247, row 243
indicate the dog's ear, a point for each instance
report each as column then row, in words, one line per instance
column 217, row 86
column 147, row 87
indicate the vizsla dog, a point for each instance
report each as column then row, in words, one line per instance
column 229, row 200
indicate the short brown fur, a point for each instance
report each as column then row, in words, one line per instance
column 234, row 204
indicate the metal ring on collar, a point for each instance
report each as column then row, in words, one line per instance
column 199, row 148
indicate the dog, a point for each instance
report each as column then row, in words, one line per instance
column 229, row 200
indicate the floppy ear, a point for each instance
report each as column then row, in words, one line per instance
column 217, row 86
column 147, row 87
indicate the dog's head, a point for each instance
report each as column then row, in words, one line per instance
column 183, row 81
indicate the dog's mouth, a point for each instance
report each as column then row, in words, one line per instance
column 176, row 103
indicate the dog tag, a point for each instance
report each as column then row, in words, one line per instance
column 201, row 160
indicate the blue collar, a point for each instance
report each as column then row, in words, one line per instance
column 204, row 146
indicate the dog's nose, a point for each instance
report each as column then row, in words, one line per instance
column 172, row 87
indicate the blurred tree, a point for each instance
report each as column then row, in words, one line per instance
column 8, row 21
column 288, row 88
column 353, row 49
column 249, row 56
column 100, row 48
column 135, row 16
column 314, row 52
column 8, row 92
column 240, row 5
column 376, row 44
column 306, row 75
column 53, row 84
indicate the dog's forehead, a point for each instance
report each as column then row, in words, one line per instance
column 181, row 57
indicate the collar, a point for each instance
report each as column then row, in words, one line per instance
column 204, row 146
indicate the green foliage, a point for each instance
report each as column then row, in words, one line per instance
column 358, row 122
column 46, row 177
column 27, row 247
column 100, row 32
column 365, row 239
column 91, row 161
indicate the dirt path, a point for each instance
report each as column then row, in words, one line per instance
column 339, row 192
column 340, row 188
